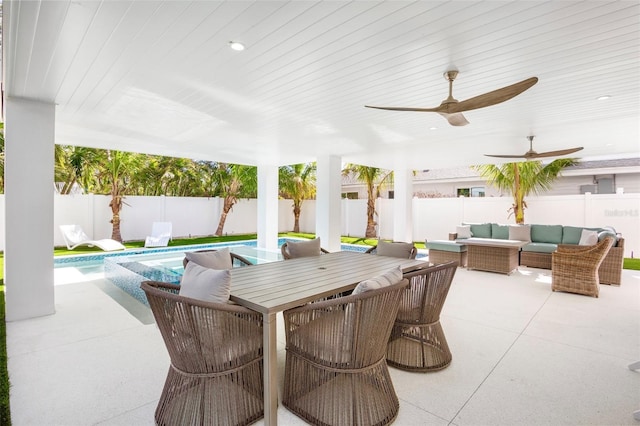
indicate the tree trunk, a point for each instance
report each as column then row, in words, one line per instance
column 228, row 203
column 296, row 215
column 371, row 223
column 518, row 208
column 116, row 207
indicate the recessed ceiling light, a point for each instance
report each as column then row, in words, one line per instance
column 603, row 97
column 433, row 128
column 236, row 45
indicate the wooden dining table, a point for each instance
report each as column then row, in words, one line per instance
column 273, row 287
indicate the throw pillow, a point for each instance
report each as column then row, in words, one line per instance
column 588, row 238
column 391, row 277
column 520, row 232
column 219, row 259
column 304, row 248
column 209, row 285
column 394, row 249
column 463, row 231
column 607, row 233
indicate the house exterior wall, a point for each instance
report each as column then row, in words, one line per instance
column 564, row 185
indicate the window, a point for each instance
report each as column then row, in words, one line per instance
column 477, row 191
column 350, row 195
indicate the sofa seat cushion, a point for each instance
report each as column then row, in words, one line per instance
column 444, row 245
column 546, row 234
column 540, row 247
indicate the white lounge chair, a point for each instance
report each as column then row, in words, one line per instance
column 160, row 235
column 74, row 236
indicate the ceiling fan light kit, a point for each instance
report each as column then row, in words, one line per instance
column 531, row 154
column 451, row 109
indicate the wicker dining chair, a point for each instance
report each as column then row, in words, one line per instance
column 216, row 372
column 394, row 249
column 335, row 369
column 286, row 253
column 236, row 260
column 417, row 341
column 576, row 270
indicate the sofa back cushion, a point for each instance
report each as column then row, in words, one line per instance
column 572, row 234
column 480, row 230
column 500, row 232
column 546, row 234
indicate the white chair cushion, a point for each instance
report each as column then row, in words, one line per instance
column 391, row 277
column 395, row 249
column 219, row 259
column 304, row 248
column 209, row 285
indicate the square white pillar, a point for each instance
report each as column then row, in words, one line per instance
column 29, row 160
column 268, row 207
column 403, row 205
column 328, row 205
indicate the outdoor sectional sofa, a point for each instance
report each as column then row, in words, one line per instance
column 543, row 241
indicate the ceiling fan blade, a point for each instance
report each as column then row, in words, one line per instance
column 532, row 154
column 492, row 98
column 504, row 156
column 455, row 119
column 404, row 108
column 556, row 153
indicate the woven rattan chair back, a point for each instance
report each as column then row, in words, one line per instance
column 576, row 270
column 286, row 254
column 417, row 341
column 216, row 372
column 335, row 370
column 236, row 260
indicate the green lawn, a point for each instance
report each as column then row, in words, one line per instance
column 5, row 414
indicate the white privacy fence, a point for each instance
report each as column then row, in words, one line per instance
column 433, row 218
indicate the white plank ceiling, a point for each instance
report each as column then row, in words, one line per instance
column 159, row 77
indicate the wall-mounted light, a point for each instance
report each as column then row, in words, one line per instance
column 236, row 45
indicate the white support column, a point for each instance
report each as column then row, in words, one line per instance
column 29, row 159
column 268, row 207
column 403, row 205
column 328, row 206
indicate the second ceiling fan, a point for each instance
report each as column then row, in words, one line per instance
column 531, row 154
column 452, row 109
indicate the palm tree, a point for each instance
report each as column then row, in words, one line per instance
column 522, row 179
column 115, row 172
column 233, row 181
column 298, row 182
column 370, row 176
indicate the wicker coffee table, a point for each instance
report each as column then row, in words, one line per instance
column 493, row 255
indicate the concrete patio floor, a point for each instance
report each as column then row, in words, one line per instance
column 522, row 355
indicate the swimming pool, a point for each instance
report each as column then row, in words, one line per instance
column 127, row 269
column 97, row 259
